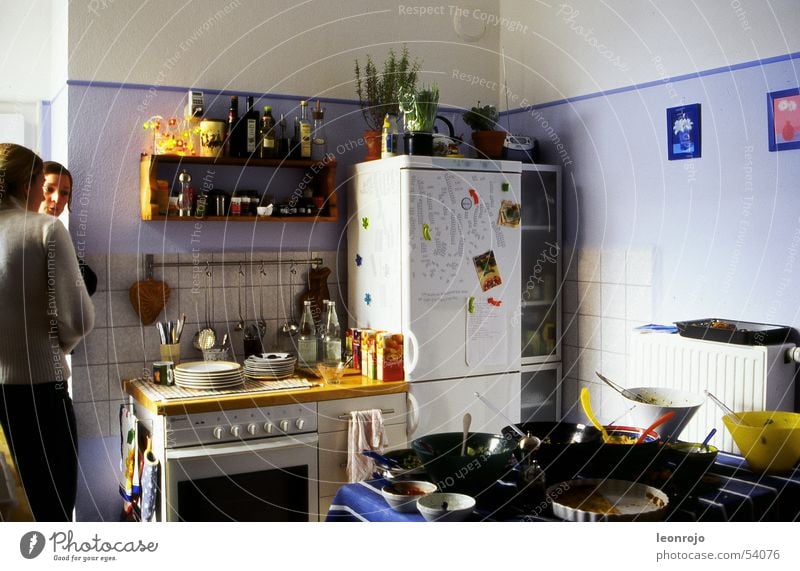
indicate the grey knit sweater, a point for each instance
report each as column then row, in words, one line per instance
column 44, row 307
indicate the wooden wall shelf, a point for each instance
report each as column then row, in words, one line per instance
column 323, row 172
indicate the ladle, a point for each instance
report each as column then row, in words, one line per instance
column 658, row 422
column 291, row 328
column 262, row 323
column 240, row 324
column 465, row 422
column 586, row 402
column 725, row 408
column 206, row 337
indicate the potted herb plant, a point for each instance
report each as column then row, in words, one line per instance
column 486, row 138
column 379, row 92
column 419, row 111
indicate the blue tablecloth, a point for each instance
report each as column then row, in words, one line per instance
column 735, row 494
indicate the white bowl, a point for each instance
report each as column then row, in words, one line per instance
column 264, row 210
column 403, row 496
column 661, row 401
column 442, row 506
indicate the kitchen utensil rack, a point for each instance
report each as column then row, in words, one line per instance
column 149, row 265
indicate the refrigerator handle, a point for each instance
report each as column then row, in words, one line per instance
column 413, row 353
column 413, row 415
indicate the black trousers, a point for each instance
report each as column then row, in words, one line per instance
column 39, row 423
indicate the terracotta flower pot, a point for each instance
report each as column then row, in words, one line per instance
column 372, row 140
column 488, row 144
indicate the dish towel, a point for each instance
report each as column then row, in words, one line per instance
column 365, row 432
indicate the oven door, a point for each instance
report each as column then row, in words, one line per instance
column 272, row 479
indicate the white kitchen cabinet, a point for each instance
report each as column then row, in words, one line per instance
column 332, row 426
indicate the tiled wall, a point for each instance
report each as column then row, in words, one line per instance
column 605, row 295
column 120, row 347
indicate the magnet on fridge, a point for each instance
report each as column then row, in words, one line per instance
column 359, row 260
column 367, row 298
column 505, row 187
column 474, row 194
column 495, row 302
column 510, row 214
column 426, row 231
column 365, row 222
column 471, row 304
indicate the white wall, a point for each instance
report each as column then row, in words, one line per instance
column 583, row 46
column 281, row 46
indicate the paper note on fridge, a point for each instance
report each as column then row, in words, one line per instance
column 486, row 334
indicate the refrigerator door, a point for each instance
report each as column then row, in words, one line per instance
column 441, row 405
column 460, row 272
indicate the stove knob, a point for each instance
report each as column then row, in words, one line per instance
column 235, row 430
column 217, row 432
column 299, row 423
column 252, row 429
column 268, row 427
column 284, row 425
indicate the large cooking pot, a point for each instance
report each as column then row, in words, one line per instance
column 565, row 450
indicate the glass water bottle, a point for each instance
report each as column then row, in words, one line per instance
column 307, row 343
column 332, row 342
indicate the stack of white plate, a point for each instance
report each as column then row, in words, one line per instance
column 206, row 375
column 270, row 366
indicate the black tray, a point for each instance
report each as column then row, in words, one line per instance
column 736, row 332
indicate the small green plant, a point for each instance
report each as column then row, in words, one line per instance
column 482, row 118
column 419, row 108
column 379, row 92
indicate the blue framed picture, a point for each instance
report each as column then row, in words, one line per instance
column 783, row 119
column 683, row 132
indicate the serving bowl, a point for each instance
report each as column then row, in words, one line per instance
column 565, row 446
column 410, row 466
column 444, row 506
column 768, row 440
column 658, row 402
column 402, row 496
column 486, row 460
column 607, row 500
column 689, row 462
column 622, row 458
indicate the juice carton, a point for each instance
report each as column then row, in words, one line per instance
column 364, row 340
column 389, row 362
column 355, row 340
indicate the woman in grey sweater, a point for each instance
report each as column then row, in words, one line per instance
column 44, row 312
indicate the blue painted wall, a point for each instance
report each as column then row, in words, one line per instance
column 725, row 227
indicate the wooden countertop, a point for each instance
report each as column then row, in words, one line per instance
column 352, row 386
column 22, row 511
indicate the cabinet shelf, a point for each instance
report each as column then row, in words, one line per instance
column 322, row 172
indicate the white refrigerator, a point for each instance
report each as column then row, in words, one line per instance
column 434, row 253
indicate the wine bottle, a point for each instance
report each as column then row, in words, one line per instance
column 268, row 148
column 319, row 140
column 232, row 147
column 304, row 131
column 251, row 129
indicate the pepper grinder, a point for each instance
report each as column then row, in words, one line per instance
column 185, row 197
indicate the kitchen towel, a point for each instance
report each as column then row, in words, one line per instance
column 150, row 474
column 365, row 432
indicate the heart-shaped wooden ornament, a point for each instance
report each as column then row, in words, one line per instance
column 148, row 299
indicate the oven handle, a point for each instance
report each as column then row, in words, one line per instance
column 242, row 447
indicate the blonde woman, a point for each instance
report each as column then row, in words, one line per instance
column 44, row 312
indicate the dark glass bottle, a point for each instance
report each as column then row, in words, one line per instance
column 232, row 144
column 251, row 129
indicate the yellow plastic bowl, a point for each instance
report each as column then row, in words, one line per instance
column 768, row 440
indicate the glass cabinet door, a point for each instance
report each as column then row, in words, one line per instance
column 540, row 398
column 541, row 263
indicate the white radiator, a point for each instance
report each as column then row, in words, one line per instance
column 743, row 377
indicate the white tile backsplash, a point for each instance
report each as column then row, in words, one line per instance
column 613, row 300
column 589, row 361
column 590, row 298
column 589, row 265
column 589, row 332
column 612, row 267
column 639, row 267
column 613, row 335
